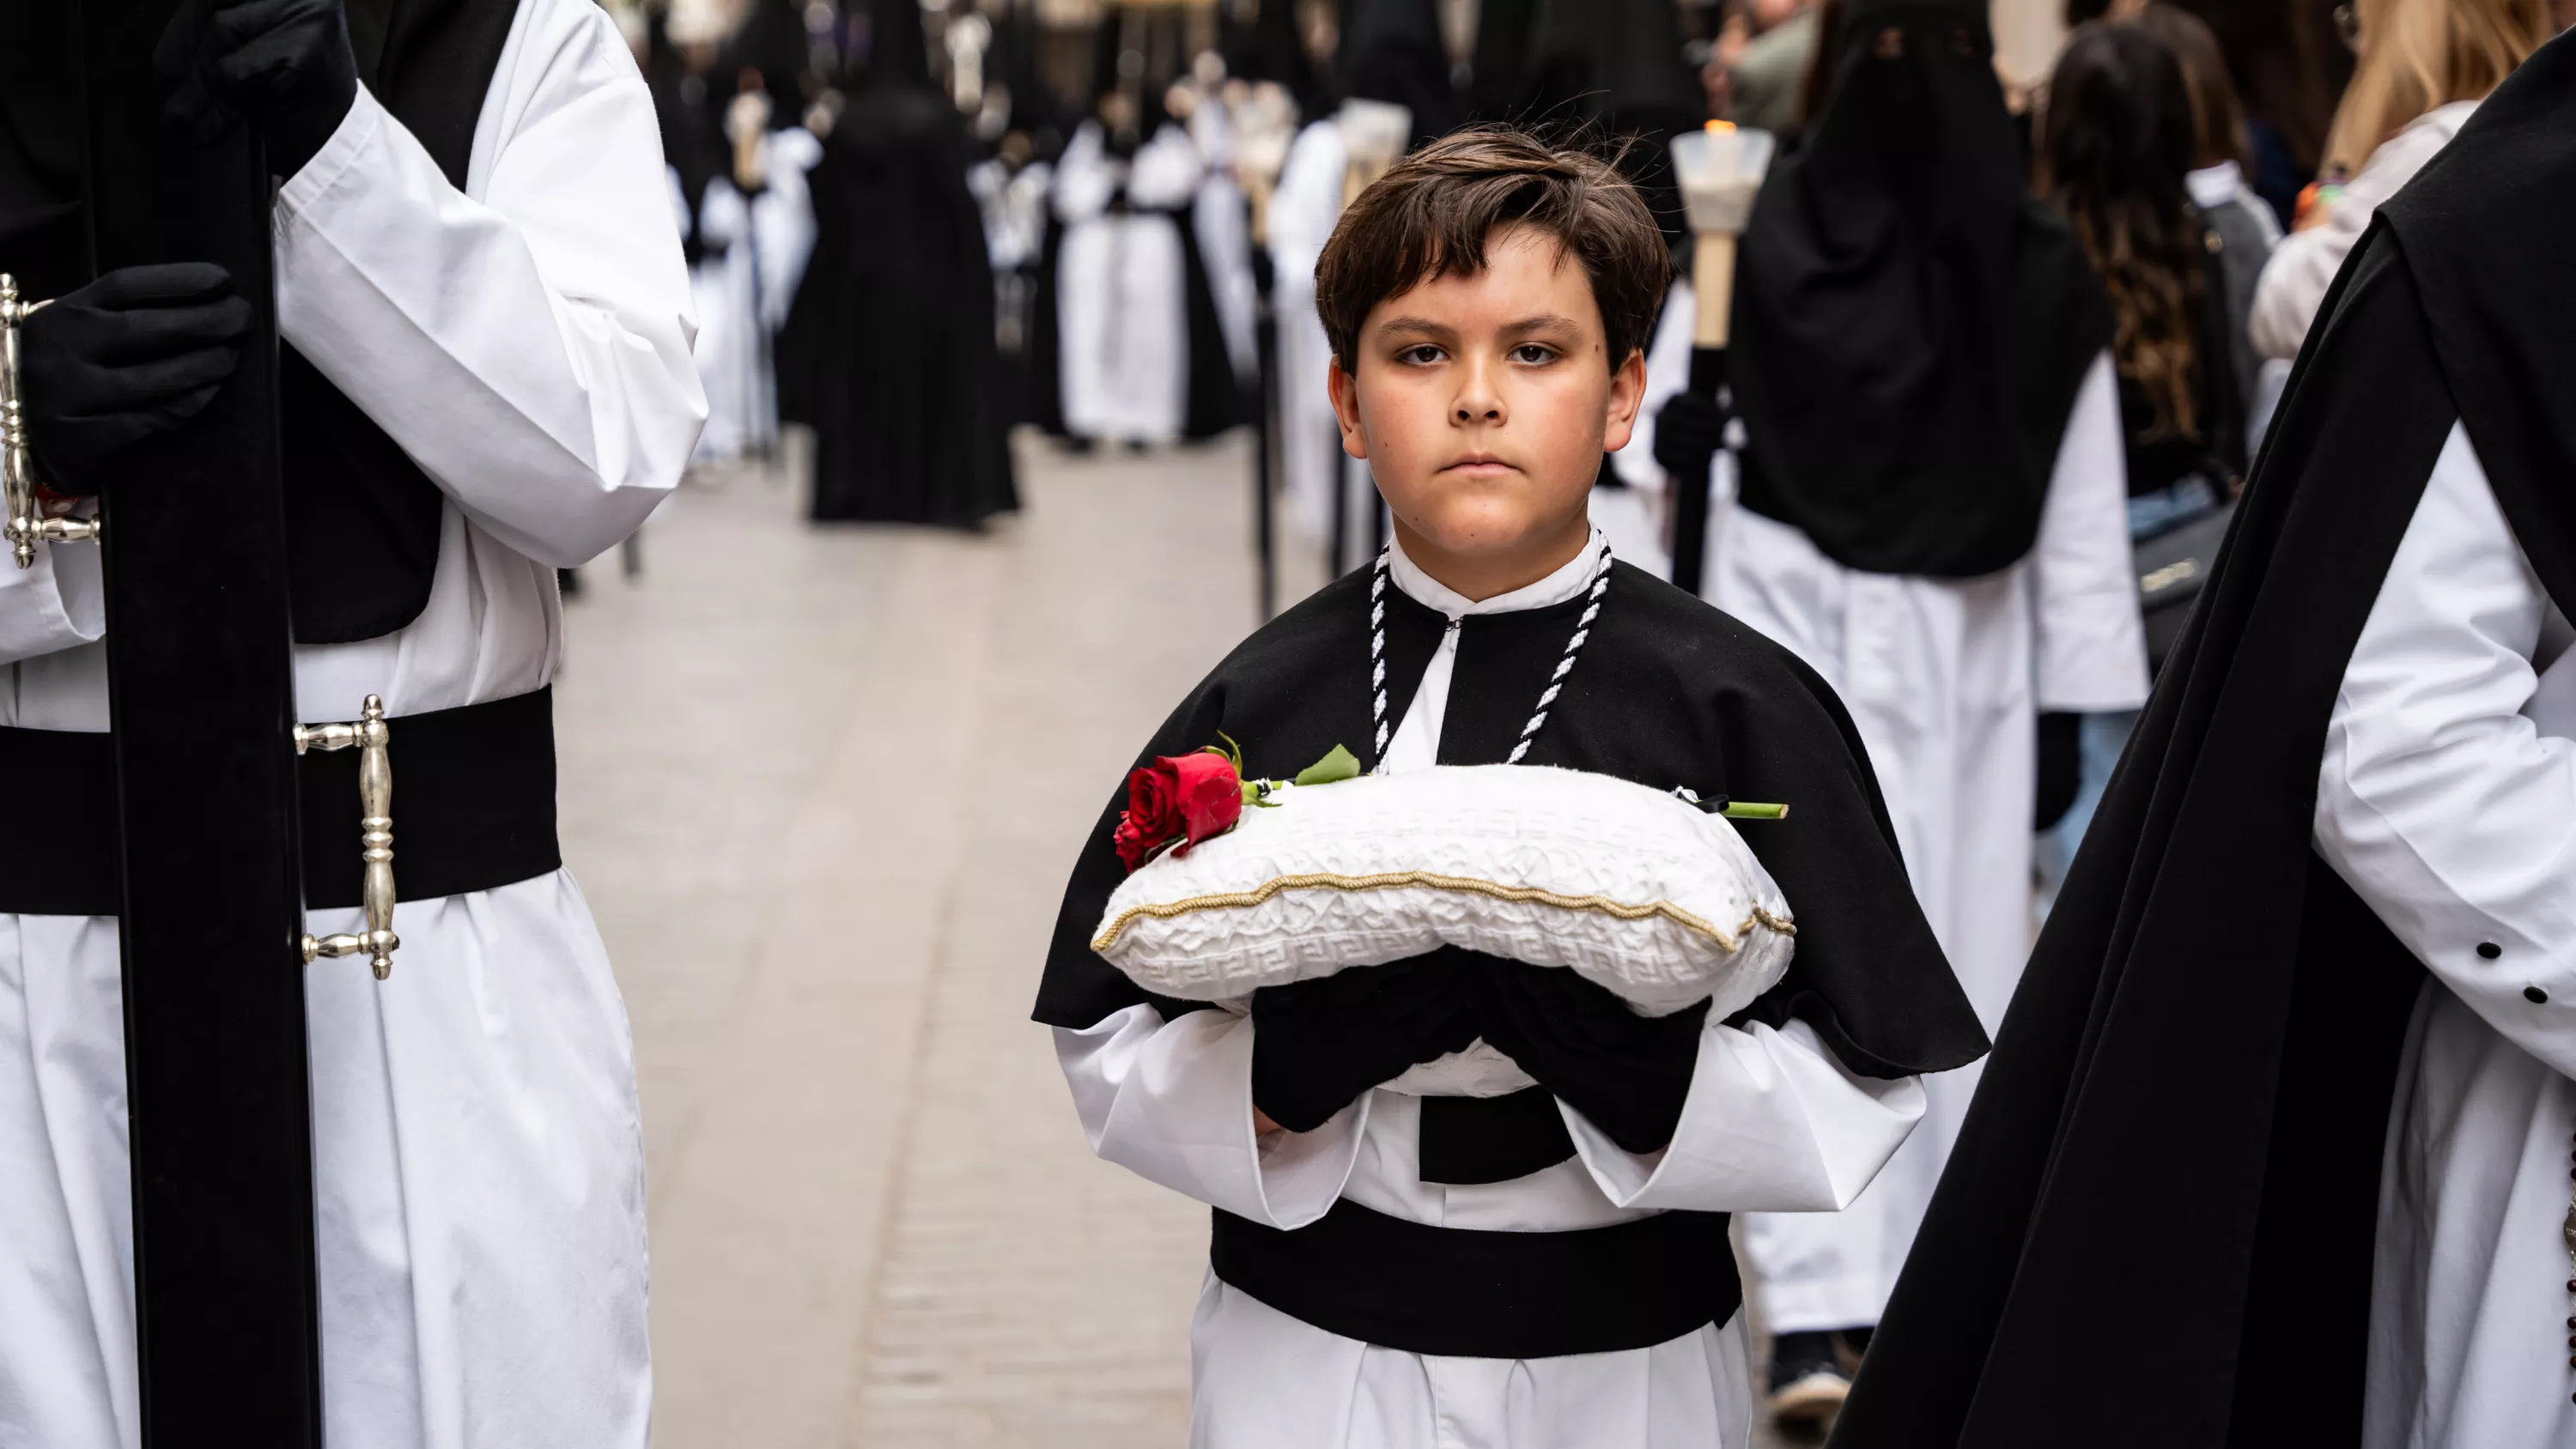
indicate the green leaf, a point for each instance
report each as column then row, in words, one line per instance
column 1339, row 765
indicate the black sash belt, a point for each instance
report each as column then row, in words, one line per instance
column 1468, row 1140
column 1466, row 1293
column 474, row 808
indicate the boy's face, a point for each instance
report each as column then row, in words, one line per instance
column 1483, row 404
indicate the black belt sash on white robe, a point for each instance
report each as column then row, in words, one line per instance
column 1474, row 1293
column 474, row 809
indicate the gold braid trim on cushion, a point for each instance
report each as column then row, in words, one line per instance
column 1397, row 880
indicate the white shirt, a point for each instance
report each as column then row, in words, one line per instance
column 1771, row 1121
column 1416, row 744
column 2215, row 186
column 2303, row 266
column 2446, row 797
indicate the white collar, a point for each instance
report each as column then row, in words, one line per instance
column 1556, row 588
column 2212, row 186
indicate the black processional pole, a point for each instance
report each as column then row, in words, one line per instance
column 1265, row 433
column 1690, row 495
column 201, row 691
column 1719, row 169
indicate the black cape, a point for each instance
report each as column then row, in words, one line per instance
column 1667, row 692
column 888, row 352
column 2157, row 1226
column 1911, row 327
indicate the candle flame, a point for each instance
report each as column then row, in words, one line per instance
column 1720, row 128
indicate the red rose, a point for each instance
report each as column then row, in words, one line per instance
column 1186, row 798
column 1209, row 791
column 1153, row 814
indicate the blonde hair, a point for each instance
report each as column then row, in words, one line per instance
column 2420, row 54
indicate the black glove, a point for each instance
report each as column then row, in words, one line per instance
column 1688, row 433
column 1317, row 1045
column 286, row 61
column 131, row 355
column 1627, row 1074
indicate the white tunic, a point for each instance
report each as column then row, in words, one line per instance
column 1772, row 1121
column 478, row 1160
column 743, row 291
column 1122, row 303
column 1303, row 212
column 1945, row 679
column 2446, row 797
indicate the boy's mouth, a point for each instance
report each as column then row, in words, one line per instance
column 1479, row 465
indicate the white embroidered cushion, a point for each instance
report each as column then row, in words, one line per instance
column 1637, row 890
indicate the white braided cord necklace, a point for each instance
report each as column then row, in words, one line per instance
column 1381, row 727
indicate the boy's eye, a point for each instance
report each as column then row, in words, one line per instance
column 1533, row 353
column 1421, row 354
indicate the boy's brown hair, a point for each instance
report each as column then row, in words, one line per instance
column 1433, row 213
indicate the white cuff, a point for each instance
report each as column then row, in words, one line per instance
column 349, row 142
column 1772, row 1124
column 1172, row 1102
column 59, row 603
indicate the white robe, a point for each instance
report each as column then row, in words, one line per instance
column 479, row 1166
column 1303, row 213
column 743, row 291
column 1945, row 679
column 2446, row 797
column 1223, row 217
column 1771, row 1121
column 1637, row 516
column 1122, row 303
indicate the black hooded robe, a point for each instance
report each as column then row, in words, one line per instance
column 888, row 352
column 2157, row 1227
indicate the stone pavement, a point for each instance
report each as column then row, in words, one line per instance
column 821, row 787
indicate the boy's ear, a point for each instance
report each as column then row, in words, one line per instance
column 1346, row 409
column 1627, row 396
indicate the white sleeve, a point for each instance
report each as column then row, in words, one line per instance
column 2296, row 278
column 2438, row 800
column 2091, row 646
column 1772, row 1124
column 58, row 604
column 2302, row 267
column 527, row 345
column 1172, row 1103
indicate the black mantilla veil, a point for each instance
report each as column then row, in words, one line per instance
column 2157, row 1227
column 1911, row 326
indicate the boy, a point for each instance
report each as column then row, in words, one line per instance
column 1549, row 1265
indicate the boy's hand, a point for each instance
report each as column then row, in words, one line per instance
column 1628, row 1074
column 1317, row 1045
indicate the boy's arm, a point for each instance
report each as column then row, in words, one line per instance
column 1772, row 1123
column 1171, row 1101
